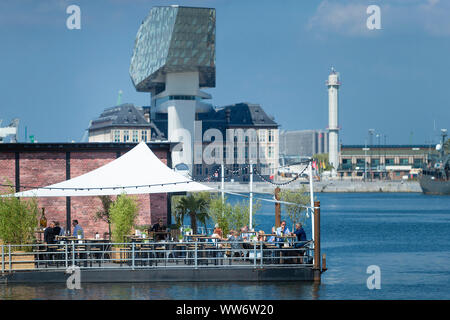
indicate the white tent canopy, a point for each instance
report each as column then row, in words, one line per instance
column 138, row 171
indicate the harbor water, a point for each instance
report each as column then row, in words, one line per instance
column 407, row 235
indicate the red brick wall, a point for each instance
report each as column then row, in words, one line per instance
column 7, row 169
column 39, row 169
column 44, row 168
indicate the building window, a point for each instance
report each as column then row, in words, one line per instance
column 126, row 136
column 404, row 161
column 135, row 136
column 271, row 136
column 271, row 152
column 262, row 135
column 389, row 161
column 116, row 135
column 144, row 136
column 418, row 163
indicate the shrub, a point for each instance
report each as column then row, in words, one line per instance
column 123, row 213
column 18, row 220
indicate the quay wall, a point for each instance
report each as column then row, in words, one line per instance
column 335, row 186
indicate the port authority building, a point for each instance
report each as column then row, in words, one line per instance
column 174, row 62
column 391, row 162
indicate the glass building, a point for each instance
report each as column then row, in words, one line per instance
column 172, row 40
column 173, row 58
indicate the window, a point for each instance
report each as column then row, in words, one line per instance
column 144, row 135
column 116, row 136
column 390, row 161
column 271, row 152
column 262, row 135
column 126, row 136
column 135, row 136
column 404, row 161
column 271, row 136
column 418, row 163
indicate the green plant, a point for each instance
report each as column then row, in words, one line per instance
column 220, row 213
column 240, row 214
column 229, row 216
column 18, row 220
column 123, row 213
column 195, row 205
column 299, row 199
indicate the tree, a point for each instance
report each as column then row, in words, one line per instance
column 123, row 213
column 231, row 217
column 220, row 212
column 299, row 199
column 104, row 214
column 196, row 206
column 18, row 220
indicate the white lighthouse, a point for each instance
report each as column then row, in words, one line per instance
column 333, row 124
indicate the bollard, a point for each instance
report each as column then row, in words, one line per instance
column 317, row 267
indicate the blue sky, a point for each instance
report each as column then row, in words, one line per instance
column 275, row 53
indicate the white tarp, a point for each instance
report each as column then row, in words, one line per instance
column 138, row 171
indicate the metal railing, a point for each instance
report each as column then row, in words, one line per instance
column 148, row 255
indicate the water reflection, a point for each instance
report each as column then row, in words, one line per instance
column 165, row 291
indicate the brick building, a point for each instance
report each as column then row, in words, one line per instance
column 31, row 165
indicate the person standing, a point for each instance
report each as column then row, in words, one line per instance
column 49, row 236
column 57, row 230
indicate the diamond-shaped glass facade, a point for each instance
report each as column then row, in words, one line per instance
column 174, row 39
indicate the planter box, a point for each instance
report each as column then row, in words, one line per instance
column 20, row 261
column 118, row 255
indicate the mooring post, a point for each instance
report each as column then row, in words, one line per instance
column 317, row 265
column 277, row 208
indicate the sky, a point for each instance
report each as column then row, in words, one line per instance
column 274, row 53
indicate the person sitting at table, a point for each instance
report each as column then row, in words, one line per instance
column 235, row 244
column 272, row 238
column 158, row 227
column 77, row 229
column 244, row 233
column 283, row 230
column 217, row 230
column 49, row 236
column 301, row 235
column 217, row 237
column 261, row 236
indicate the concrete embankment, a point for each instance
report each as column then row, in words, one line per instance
column 326, row 186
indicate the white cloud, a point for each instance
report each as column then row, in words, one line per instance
column 348, row 17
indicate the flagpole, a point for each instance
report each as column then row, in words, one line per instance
column 251, row 197
column 311, row 192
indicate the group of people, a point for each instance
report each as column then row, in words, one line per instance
column 275, row 237
column 54, row 229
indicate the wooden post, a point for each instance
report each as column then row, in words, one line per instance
column 277, row 208
column 317, row 265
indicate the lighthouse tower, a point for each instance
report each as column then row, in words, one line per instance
column 333, row 84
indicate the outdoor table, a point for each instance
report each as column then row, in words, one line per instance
column 161, row 235
column 195, row 237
